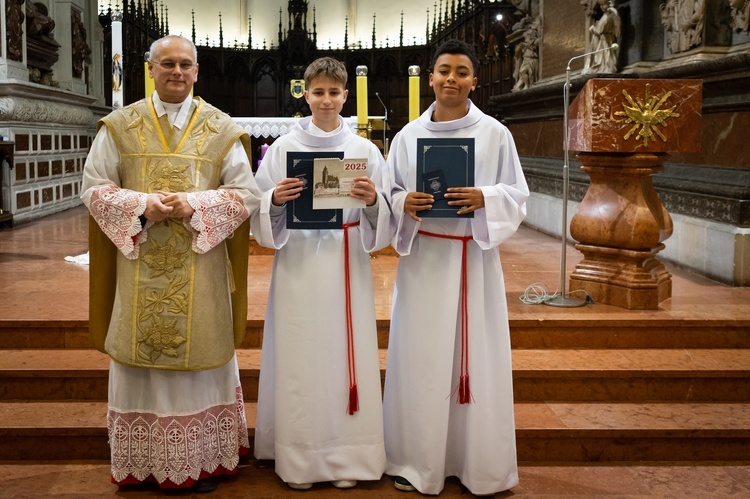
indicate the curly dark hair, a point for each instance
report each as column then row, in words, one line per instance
column 456, row 47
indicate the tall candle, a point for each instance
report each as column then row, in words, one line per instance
column 149, row 82
column 361, row 96
column 413, row 92
column 118, row 63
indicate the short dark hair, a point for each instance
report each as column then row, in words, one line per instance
column 456, row 47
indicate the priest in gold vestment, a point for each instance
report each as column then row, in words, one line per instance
column 170, row 190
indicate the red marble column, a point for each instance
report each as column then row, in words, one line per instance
column 623, row 129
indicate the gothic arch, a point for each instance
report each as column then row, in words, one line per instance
column 265, row 78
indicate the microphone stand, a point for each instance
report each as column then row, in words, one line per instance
column 561, row 300
column 385, row 125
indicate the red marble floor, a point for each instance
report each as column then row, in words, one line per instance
column 37, row 284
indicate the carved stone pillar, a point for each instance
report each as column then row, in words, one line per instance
column 623, row 129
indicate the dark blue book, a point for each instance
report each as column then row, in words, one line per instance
column 299, row 212
column 444, row 163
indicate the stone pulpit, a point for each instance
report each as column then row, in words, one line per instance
column 623, row 130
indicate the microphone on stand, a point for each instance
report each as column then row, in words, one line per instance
column 562, row 300
column 385, row 123
column 614, row 46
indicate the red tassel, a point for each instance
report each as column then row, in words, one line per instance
column 353, row 400
column 464, row 392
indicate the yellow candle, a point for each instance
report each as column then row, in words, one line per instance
column 362, row 96
column 413, row 92
column 148, row 80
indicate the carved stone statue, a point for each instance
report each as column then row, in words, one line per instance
column 522, row 5
column 684, row 20
column 37, row 21
column 80, row 47
column 41, row 47
column 604, row 29
column 740, row 14
column 14, row 23
column 526, row 64
column 525, row 12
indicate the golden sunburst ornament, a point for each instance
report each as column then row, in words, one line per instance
column 646, row 116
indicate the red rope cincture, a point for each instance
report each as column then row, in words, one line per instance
column 464, row 389
column 353, row 394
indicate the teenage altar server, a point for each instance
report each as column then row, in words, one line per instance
column 448, row 404
column 319, row 401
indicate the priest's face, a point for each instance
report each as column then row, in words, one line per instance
column 326, row 98
column 174, row 69
column 452, row 79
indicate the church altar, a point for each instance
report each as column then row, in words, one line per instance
column 265, row 127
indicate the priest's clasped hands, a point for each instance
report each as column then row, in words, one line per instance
column 162, row 204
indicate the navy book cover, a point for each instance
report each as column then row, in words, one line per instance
column 444, row 163
column 299, row 212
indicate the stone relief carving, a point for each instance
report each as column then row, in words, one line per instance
column 81, row 50
column 740, row 14
column 11, row 72
column 526, row 63
column 604, row 29
column 31, row 110
column 684, row 20
column 14, row 25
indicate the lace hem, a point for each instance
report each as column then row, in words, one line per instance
column 217, row 215
column 176, row 448
column 116, row 212
column 169, row 485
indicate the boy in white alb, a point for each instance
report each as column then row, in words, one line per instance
column 448, row 402
column 319, row 401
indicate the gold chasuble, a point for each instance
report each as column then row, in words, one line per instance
column 170, row 308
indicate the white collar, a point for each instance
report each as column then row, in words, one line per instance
column 314, row 129
column 176, row 113
column 473, row 115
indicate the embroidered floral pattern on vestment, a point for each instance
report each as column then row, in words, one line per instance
column 162, row 316
column 170, row 177
column 204, row 132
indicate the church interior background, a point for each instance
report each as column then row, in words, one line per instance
column 55, row 83
column 692, row 182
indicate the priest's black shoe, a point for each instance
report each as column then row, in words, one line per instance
column 206, row 485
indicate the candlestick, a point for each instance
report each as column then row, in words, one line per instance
column 118, row 62
column 148, row 80
column 361, row 96
column 413, row 92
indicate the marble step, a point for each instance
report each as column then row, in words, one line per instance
column 659, row 480
column 545, row 432
column 524, row 333
column 622, row 375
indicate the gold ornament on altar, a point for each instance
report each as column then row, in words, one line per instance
column 647, row 115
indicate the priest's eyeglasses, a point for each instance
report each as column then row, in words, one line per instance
column 184, row 65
